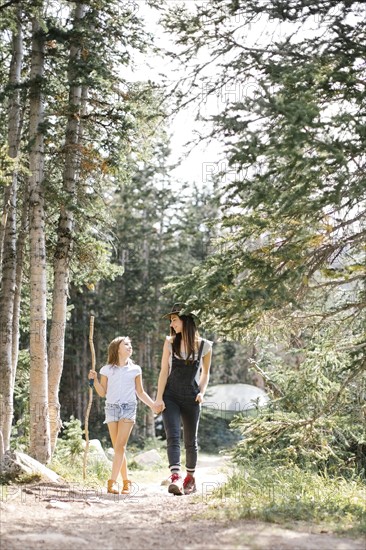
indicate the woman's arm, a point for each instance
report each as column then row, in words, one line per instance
column 141, row 393
column 205, row 376
column 163, row 376
column 100, row 387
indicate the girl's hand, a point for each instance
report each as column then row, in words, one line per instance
column 158, row 406
column 92, row 375
column 199, row 397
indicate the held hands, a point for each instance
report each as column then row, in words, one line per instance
column 158, row 406
column 92, row 375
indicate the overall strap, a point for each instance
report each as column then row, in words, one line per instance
column 200, row 351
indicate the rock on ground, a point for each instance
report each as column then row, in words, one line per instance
column 148, row 458
column 17, row 463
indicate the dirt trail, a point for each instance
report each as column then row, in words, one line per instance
column 70, row 517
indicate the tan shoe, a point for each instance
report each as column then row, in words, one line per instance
column 126, row 487
column 112, row 487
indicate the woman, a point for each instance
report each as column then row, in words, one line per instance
column 120, row 381
column 183, row 380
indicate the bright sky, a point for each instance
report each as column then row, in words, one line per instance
column 203, row 160
column 207, row 159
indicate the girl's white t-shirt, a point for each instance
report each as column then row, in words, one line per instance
column 121, row 382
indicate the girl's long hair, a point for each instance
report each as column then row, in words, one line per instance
column 113, row 349
column 189, row 334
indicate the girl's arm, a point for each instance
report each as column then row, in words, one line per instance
column 163, row 376
column 205, row 376
column 141, row 393
column 100, row 387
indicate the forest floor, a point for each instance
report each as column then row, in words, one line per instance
column 46, row 516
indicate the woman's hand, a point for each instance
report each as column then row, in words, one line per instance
column 199, row 397
column 92, row 375
column 158, row 406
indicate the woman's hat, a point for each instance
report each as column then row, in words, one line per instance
column 179, row 308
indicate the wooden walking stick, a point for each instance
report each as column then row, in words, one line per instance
column 91, row 383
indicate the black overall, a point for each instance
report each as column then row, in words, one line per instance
column 180, row 405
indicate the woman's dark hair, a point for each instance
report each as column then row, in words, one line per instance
column 190, row 335
column 113, row 349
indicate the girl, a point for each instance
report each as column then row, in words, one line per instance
column 120, row 381
column 181, row 388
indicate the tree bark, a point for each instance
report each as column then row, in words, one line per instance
column 65, row 232
column 38, row 401
column 146, row 355
column 18, row 282
column 8, row 282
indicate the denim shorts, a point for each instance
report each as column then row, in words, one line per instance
column 116, row 411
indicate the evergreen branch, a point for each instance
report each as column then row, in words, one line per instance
column 333, row 400
column 323, row 254
column 360, row 216
column 337, row 282
column 355, row 347
column 276, row 390
column 334, row 311
column 10, row 3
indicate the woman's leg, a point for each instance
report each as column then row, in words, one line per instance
column 171, row 420
column 113, row 428
column 190, row 416
column 121, row 432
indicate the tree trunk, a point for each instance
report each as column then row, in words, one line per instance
column 4, row 219
column 149, row 418
column 65, row 233
column 7, row 368
column 18, row 283
column 38, row 400
column 146, row 357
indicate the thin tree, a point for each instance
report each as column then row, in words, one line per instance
column 38, row 400
column 61, row 265
column 9, row 264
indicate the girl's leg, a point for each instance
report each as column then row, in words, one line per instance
column 121, row 433
column 113, row 436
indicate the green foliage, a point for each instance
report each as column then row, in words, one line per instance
column 68, row 458
column 7, row 165
column 118, row 124
column 282, row 494
column 215, row 435
column 92, row 262
column 70, row 445
column 288, row 256
column 22, row 479
column 290, row 218
column 152, row 229
column 317, row 419
column 20, row 430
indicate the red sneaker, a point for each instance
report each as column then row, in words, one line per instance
column 189, row 485
column 176, row 485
